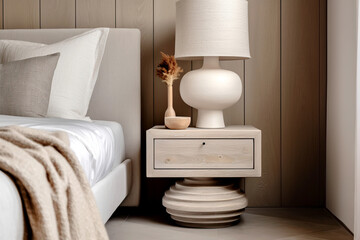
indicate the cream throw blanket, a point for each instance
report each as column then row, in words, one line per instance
column 56, row 194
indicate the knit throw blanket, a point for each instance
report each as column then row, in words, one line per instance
column 58, row 202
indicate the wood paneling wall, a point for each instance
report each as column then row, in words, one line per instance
column 284, row 82
column 21, row 13
column 300, row 105
column 262, row 98
column 58, row 14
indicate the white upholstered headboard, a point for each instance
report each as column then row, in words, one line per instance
column 116, row 95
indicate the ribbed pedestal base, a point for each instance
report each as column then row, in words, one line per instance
column 204, row 203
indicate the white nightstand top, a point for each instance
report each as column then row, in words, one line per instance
column 228, row 131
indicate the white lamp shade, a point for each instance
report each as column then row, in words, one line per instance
column 208, row 28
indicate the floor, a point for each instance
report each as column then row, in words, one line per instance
column 255, row 223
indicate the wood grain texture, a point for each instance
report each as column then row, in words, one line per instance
column 235, row 115
column 164, row 40
column 203, row 153
column 57, row 14
column 21, row 14
column 139, row 14
column 227, row 142
column 300, row 103
column 323, row 90
column 95, row 13
column 262, row 99
column 1, row 14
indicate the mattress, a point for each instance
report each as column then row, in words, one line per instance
column 98, row 145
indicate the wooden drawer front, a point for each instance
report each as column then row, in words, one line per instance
column 203, row 153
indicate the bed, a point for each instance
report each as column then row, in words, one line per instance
column 116, row 103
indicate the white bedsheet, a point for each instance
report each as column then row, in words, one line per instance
column 99, row 145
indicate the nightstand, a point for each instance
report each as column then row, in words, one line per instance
column 206, row 158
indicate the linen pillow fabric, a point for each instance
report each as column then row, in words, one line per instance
column 76, row 73
column 25, row 86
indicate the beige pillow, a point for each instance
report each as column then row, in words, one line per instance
column 25, row 86
column 76, row 73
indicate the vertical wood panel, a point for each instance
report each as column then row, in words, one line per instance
column 21, row 14
column 300, row 103
column 164, row 40
column 139, row 14
column 262, row 99
column 95, row 13
column 1, row 14
column 323, row 87
column 234, row 115
column 58, row 14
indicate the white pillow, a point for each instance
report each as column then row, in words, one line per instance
column 76, row 73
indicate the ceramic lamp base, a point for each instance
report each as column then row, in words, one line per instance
column 210, row 119
column 210, row 90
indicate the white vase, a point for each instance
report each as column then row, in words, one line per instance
column 210, row 90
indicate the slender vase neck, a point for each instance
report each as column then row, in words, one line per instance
column 170, row 112
column 211, row 63
column 170, row 96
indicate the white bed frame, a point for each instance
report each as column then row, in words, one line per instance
column 116, row 98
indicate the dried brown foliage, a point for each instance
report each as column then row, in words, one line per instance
column 168, row 69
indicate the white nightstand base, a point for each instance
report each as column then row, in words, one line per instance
column 204, row 203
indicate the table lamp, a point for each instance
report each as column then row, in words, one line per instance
column 211, row 30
